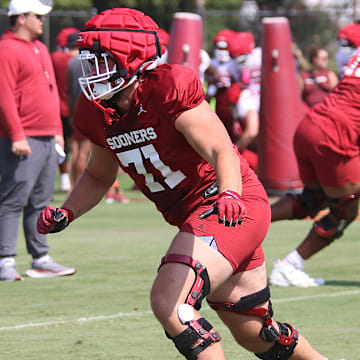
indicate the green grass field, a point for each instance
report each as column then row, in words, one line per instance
column 103, row 312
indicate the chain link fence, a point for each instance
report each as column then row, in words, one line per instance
column 308, row 27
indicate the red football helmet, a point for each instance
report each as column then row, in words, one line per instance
column 126, row 36
column 62, row 36
column 243, row 43
column 222, row 42
column 223, row 38
column 349, row 35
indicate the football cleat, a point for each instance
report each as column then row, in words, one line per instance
column 111, row 197
column 285, row 274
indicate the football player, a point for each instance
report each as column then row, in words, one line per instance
column 244, row 95
column 326, row 145
column 219, row 78
column 155, row 123
column 66, row 50
column 349, row 40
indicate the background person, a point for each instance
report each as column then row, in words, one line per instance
column 300, row 62
column 319, row 81
column 174, row 147
column 66, row 49
column 349, row 42
column 219, row 78
column 80, row 144
column 326, row 145
column 29, row 126
column 244, row 94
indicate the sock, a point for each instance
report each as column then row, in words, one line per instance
column 295, row 259
column 65, row 181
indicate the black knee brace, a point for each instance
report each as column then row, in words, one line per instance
column 332, row 225
column 201, row 285
column 197, row 330
column 308, row 203
column 284, row 343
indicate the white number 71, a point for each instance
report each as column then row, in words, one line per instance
column 135, row 156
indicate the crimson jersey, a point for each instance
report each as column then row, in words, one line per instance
column 60, row 60
column 316, row 86
column 149, row 148
column 339, row 114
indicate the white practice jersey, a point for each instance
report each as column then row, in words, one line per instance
column 223, row 71
column 250, row 69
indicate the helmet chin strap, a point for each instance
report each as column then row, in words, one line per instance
column 108, row 112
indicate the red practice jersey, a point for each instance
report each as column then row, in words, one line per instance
column 316, row 87
column 60, row 62
column 339, row 114
column 149, row 148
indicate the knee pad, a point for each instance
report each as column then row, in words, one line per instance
column 247, row 305
column 197, row 330
column 332, row 225
column 284, row 343
column 201, row 285
column 308, row 203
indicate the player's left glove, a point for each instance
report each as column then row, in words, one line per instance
column 53, row 219
column 229, row 207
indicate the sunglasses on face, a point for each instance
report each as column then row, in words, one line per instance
column 40, row 17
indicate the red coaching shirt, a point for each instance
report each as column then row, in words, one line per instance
column 150, row 149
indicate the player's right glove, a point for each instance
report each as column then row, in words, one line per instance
column 53, row 219
column 229, row 208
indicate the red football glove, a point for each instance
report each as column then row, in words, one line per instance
column 53, row 219
column 229, row 207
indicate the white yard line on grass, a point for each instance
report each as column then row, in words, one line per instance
column 79, row 320
column 300, row 298
column 142, row 313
